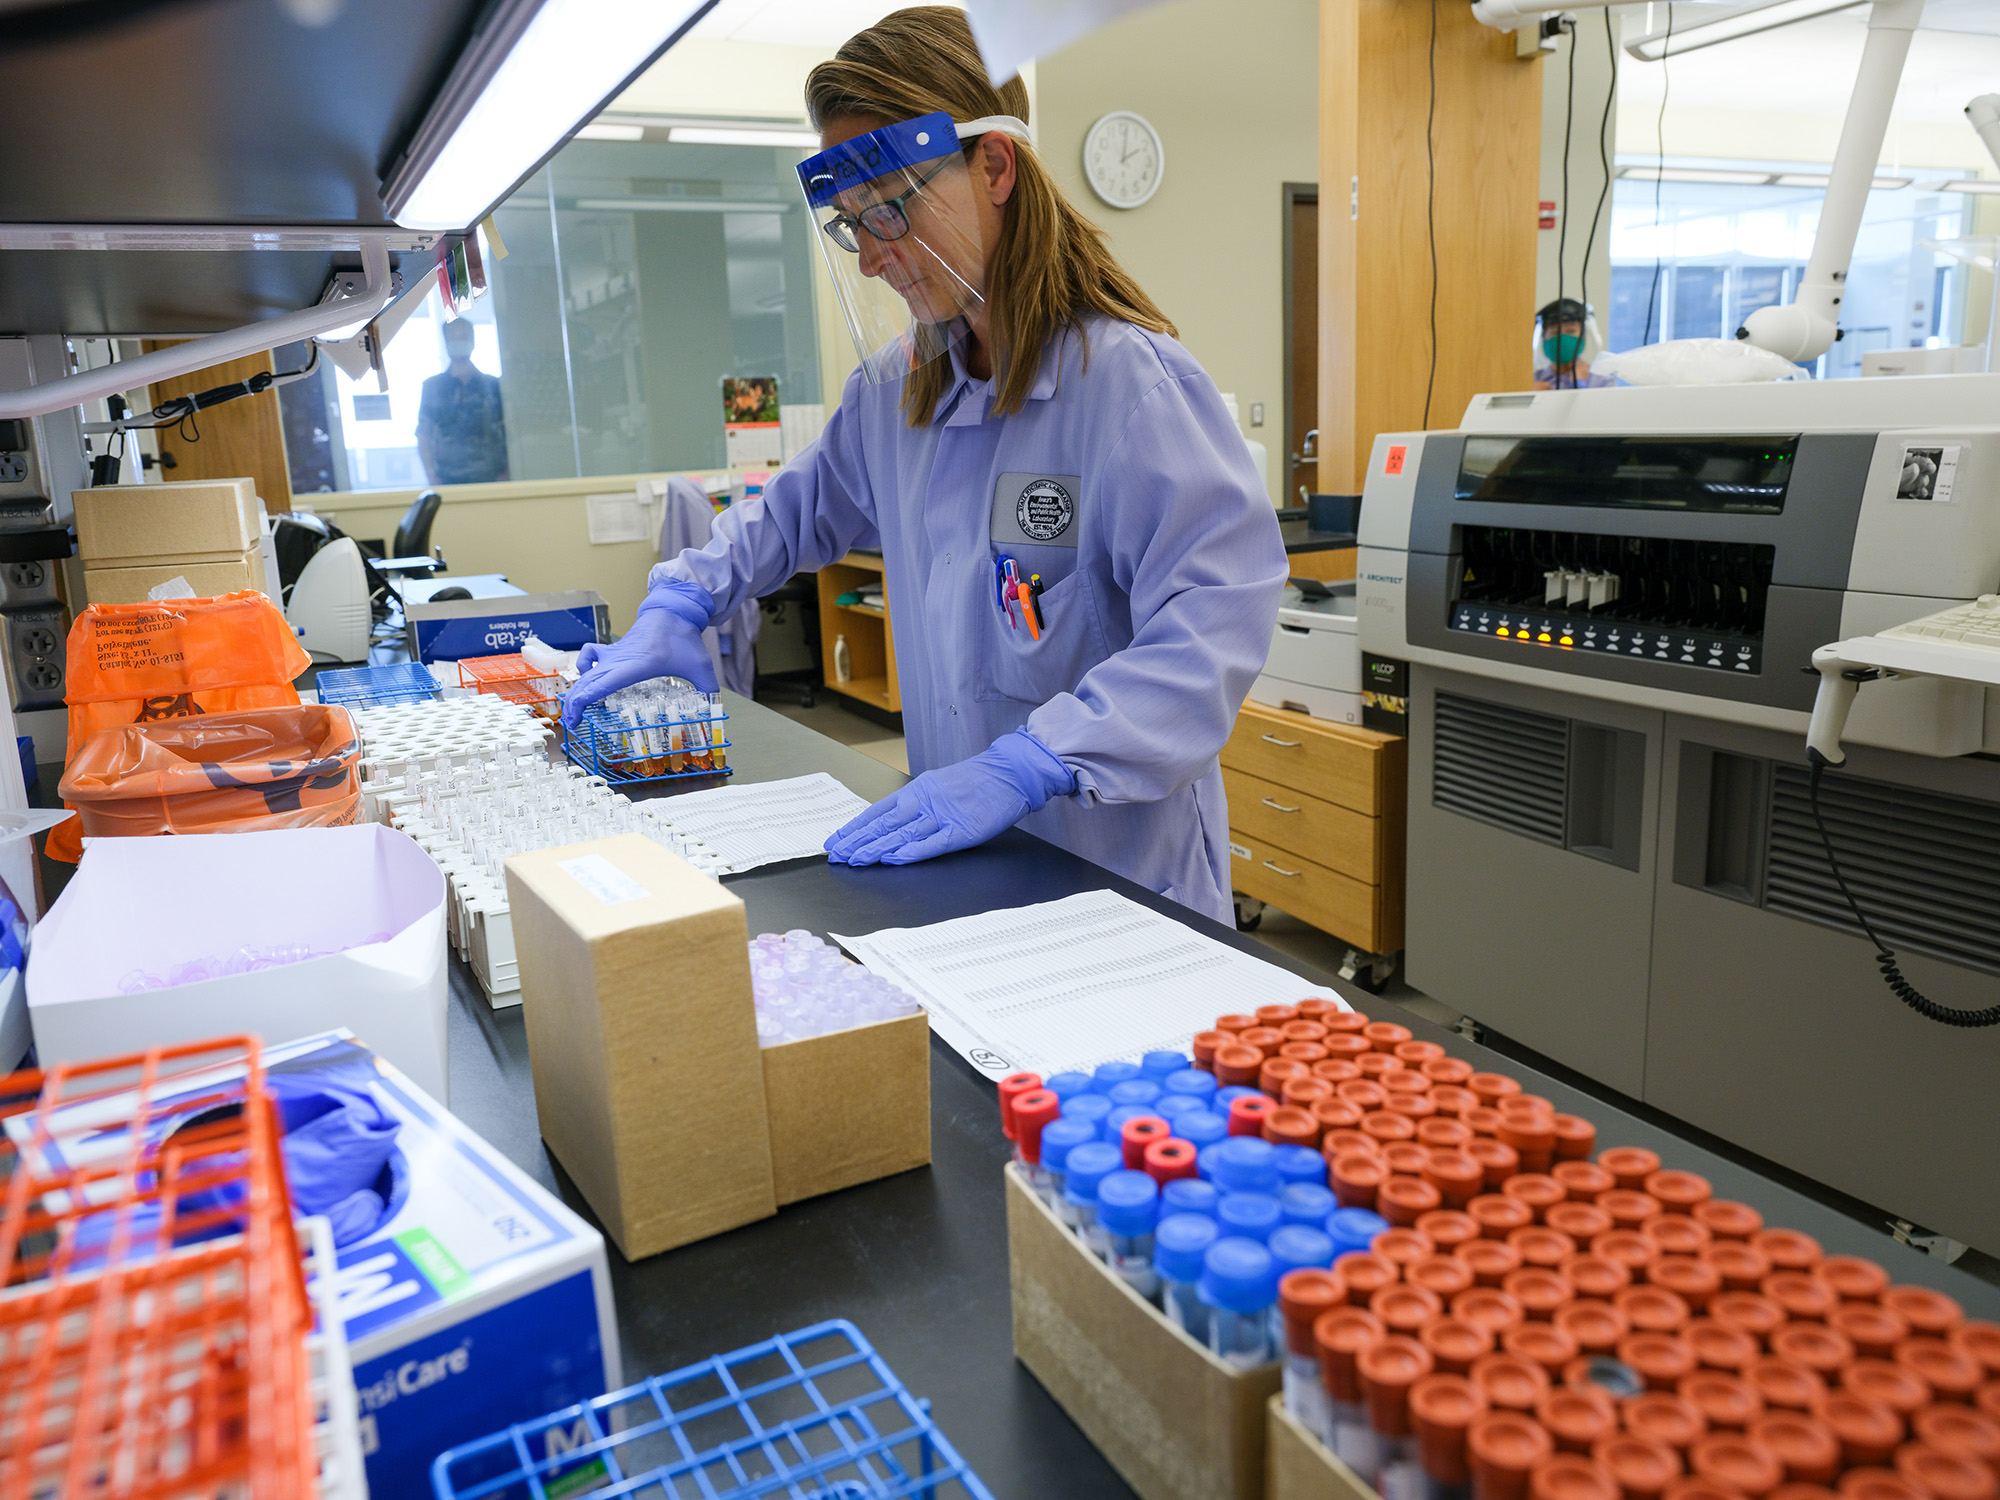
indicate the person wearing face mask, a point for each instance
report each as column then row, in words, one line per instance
column 1560, row 330
column 1084, row 566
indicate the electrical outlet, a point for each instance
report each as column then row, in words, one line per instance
column 36, row 653
column 27, row 585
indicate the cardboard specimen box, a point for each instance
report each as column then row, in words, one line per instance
column 199, row 521
column 635, row 984
column 1298, row 1466
column 652, row 1090
column 1176, row 1422
column 136, row 582
column 848, row 1107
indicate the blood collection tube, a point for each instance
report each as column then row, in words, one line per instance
column 1354, row 1229
column 1630, row 1165
column 1065, row 1086
column 1235, row 1025
column 1248, row 1112
column 1725, row 1402
column 1032, row 1110
column 1728, row 1220
column 1158, row 1065
column 1239, row 1283
column 1572, row 1476
column 1804, row 1446
column 1086, row 1167
column 1577, row 1417
column 1503, row 1448
column 1247, row 1164
column 1737, row 1462
column 1011, row 1087
column 1388, row 1368
column 1250, row 1216
column 1341, row 1336
column 1782, row 1386
column 1188, row 1195
column 1855, row 1279
column 1193, row 1082
column 1180, row 1240
column 1963, row 1430
column 1945, row 1476
column 1492, row 1261
column 1442, row 1408
column 1137, row 1134
column 1499, row 1161
column 1059, row 1137
column 1309, row 1204
column 1110, row 1074
column 1929, row 1313
column 1128, row 1208
column 1203, row 1046
column 1304, row 1296
column 1169, row 1160
column 1488, row 1307
column 1639, row 1466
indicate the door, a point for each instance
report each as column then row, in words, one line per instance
column 1301, row 203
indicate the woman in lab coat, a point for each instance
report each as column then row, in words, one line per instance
column 1083, row 566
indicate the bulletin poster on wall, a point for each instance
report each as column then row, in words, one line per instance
column 750, row 427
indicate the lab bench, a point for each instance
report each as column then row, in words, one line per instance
column 919, row 1261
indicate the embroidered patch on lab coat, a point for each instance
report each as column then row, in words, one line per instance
column 1036, row 510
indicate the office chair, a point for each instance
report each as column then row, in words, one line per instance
column 412, row 551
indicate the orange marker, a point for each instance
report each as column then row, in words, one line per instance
column 1027, row 599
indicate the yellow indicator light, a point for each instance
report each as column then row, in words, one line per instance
column 1566, row 641
column 1502, row 631
column 1543, row 637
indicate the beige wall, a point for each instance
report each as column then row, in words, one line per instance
column 535, row 532
column 1595, row 75
column 1232, row 87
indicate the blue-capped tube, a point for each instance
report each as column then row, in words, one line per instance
column 1086, row 1166
column 1128, row 1206
column 1066, row 1086
column 1170, row 1107
column 1140, row 1091
column 1179, row 1243
column 1354, row 1229
column 1239, row 1282
column 1157, row 1065
column 1300, row 1164
column 1111, row 1073
column 1189, row 1195
column 1090, row 1106
column 1296, row 1247
column 1301, row 1201
column 1250, row 1216
column 1194, row 1083
column 1245, row 1164
column 1059, row 1138
column 1201, row 1128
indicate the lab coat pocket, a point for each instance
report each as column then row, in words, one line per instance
column 1014, row 665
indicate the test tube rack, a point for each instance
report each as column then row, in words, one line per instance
column 625, row 751
column 511, row 678
column 377, row 687
column 471, row 817
column 154, row 1182
column 429, row 739
column 815, row 1412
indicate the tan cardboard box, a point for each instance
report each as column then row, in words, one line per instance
column 849, row 1106
column 1176, row 1422
column 1298, row 1466
column 207, row 520
column 642, row 1035
column 129, row 585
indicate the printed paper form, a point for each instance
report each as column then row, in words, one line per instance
column 764, row 822
column 1072, row 983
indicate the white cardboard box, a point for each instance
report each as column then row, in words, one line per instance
column 151, row 904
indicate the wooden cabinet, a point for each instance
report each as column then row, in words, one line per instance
column 1316, row 822
column 871, row 643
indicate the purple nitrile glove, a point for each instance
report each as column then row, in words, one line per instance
column 956, row 806
column 665, row 641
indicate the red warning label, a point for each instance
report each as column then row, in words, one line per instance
column 1393, row 464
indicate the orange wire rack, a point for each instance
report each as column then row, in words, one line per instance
column 153, row 1319
column 512, row 678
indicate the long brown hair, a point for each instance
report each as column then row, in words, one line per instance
column 1051, row 265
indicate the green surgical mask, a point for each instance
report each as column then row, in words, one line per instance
column 1562, row 348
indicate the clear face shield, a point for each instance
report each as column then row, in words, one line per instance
column 899, row 230
column 1560, row 341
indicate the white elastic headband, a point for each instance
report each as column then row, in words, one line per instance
column 1002, row 124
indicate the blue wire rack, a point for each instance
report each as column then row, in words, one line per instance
column 375, row 687
column 812, row 1415
column 604, row 745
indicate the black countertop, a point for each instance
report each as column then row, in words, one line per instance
column 1300, row 537
column 919, row 1261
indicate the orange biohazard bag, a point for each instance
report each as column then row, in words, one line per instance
column 170, row 659
column 219, row 773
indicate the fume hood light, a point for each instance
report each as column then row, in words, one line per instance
column 533, row 74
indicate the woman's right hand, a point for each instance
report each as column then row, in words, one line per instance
column 665, row 641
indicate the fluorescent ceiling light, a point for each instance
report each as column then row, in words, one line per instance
column 534, row 72
column 681, row 205
column 705, row 135
column 1689, row 35
column 1695, row 174
column 611, row 133
column 1955, row 185
column 1820, row 180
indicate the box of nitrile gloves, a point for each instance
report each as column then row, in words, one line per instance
column 477, row 1300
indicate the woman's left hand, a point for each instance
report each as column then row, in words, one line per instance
column 955, row 807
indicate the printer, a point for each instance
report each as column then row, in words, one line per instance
column 1609, row 602
column 1315, row 662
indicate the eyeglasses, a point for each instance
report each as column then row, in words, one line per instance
column 887, row 220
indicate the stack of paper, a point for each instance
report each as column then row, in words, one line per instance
column 1072, row 983
column 763, row 822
